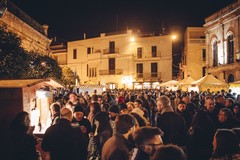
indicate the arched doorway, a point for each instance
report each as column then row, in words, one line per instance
column 230, row 78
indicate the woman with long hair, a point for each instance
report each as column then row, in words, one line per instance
column 24, row 143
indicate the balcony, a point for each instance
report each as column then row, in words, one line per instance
column 111, row 72
column 149, row 76
column 111, row 51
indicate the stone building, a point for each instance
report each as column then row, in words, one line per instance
column 223, row 43
column 194, row 54
column 126, row 59
column 34, row 36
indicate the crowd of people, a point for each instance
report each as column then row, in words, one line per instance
column 136, row 125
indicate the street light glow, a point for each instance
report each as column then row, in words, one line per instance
column 132, row 39
column 174, row 37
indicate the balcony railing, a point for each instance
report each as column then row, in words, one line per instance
column 149, row 75
column 111, row 72
column 111, row 51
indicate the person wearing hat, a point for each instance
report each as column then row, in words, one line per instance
column 113, row 113
column 79, row 120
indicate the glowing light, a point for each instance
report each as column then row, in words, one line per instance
column 174, row 37
column 132, row 39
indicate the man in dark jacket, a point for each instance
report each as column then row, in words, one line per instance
column 118, row 146
column 63, row 141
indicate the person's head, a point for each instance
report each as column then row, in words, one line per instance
column 125, row 124
column 224, row 115
column 138, row 103
column 169, row 152
column 69, row 105
column 148, row 139
column 220, row 99
column 113, row 110
column 236, row 109
column 229, row 102
column 72, row 97
column 21, row 122
column 123, row 108
column 225, row 142
column 78, row 113
column 163, row 102
column 181, row 106
column 186, row 99
column 55, row 109
column 94, row 98
column 101, row 120
column 100, row 101
column 209, row 103
column 130, row 106
column 66, row 114
column 142, row 121
column 95, row 107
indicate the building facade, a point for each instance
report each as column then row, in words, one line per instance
column 125, row 59
column 223, row 43
column 33, row 35
column 194, row 54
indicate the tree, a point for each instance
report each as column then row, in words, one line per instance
column 12, row 55
column 42, row 66
column 68, row 77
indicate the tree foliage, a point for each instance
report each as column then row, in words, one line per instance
column 68, row 76
column 17, row 63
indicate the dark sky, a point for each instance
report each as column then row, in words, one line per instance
column 69, row 19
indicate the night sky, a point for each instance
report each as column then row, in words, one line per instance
column 69, row 19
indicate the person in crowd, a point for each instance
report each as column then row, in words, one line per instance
column 130, row 106
column 113, row 113
column 190, row 107
column 236, row 113
column 147, row 139
column 102, row 133
column 169, row 152
column 171, row 123
column 229, row 103
column 225, row 119
column 55, row 113
column 145, row 106
column 138, row 103
column 79, row 120
column 24, row 143
column 181, row 110
column 225, row 145
column 69, row 105
column 237, row 132
column 94, row 98
column 121, row 97
column 153, row 108
column 84, row 105
column 118, row 146
column 201, row 131
column 94, row 108
column 123, row 108
column 73, row 98
column 142, row 121
column 64, row 141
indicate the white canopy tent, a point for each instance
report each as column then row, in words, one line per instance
column 170, row 85
column 209, row 82
column 235, row 87
column 185, row 84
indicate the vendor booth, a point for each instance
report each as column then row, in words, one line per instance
column 185, row 84
column 170, row 85
column 209, row 82
column 235, row 87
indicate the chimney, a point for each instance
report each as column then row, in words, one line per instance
column 84, row 35
column 45, row 28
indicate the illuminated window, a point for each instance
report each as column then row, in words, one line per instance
column 215, row 54
column 230, row 49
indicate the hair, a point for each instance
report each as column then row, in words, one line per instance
column 94, row 97
column 227, row 112
column 182, row 102
column 96, row 107
column 71, row 93
column 103, row 119
column 165, row 101
column 169, row 152
column 227, row 143
column 142, row 121
column 145, row 133
column 230, row 100
column 66, row 113
column 139, row 101
column 209, row 97
column 56, row 108
column 124, row 123
column 18, row 126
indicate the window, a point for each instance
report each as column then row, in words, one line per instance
column 74, row 53
column 204, row 71
column 112, row 47
column 215, row 54
column 89, row 50
column 230, row 78
column 87, row 70
column 111, row 65
column 154, row 70
column 139, row 52
column 154, row 51
column 204, row 54
column 230, row 49
column 140, row 70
